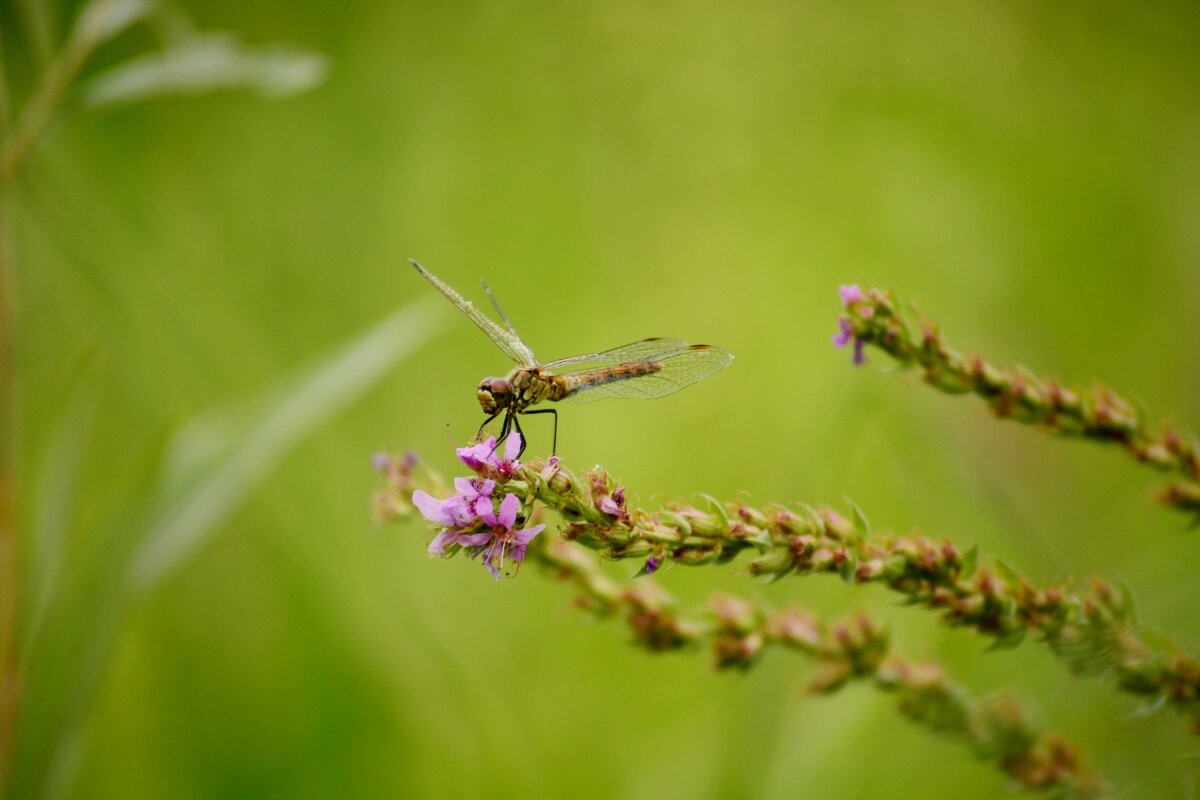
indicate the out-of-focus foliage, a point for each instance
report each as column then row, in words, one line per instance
column 615, row 170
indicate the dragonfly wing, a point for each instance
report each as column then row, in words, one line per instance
column 645, row 350
column 650, row 378
column 506, row 340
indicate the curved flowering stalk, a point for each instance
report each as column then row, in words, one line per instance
column 739, row 633
column 873, row 317
column 1092, row 630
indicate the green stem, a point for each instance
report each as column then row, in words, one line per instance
column 9, row 397
column 17, row 144
column 51, row 89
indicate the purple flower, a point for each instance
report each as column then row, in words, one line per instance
column 459, row 513
column 844, row 336
column 381, row 462
column 850, row 293
column 474, row 495
column 484, row 459
column 551, row 467
column 433, row 509
column 470, row 519
column 652, row 565
column 440, row 512
column 613, row 504
column 505, row 541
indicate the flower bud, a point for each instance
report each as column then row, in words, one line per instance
column 868, row 570
column 832, row 676
column 733, row 612
column 836, row 525
column 797, row 627
column 732, row 650
column 773, row 563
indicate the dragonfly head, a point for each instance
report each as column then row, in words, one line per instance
column 494, row 394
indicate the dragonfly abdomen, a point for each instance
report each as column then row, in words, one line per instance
column 599, row 377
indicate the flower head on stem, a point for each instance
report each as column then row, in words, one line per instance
column 470, row 518
column 485, row 459
column 1100, row 414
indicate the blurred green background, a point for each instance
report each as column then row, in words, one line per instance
column 1027, row 172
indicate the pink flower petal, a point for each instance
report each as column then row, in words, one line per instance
column 512, row 445
column 483, row 508
column 440, row 542
column 459, row 510
column 508, row 511
column 480, row 455
column 609, row 506
column 431, row 508
column 844, row 335
column 525, row 536
column 850, row 293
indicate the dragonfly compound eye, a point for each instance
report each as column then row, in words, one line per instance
column 493, row 394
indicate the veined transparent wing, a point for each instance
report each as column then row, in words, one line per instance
column 648, row 377
column 645, row 350
column 506, row 340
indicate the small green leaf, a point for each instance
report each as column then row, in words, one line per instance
column 861, row 525
column 970, row 560
column 761, row 541
column 788, row 570
column 1004, row 571
column 1008, row 641
column 815, row 522
column 1128, row 604
column 681, row 525
column 719, row 510
column 1149, row 709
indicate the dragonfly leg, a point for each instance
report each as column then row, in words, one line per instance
column 479, row 432
column 520, row 433
column 504, row 429
column 554, row 411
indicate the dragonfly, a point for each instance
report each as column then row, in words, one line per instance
column 646, row 369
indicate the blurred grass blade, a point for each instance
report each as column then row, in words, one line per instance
column 215, row 462
column 206, row 63
column 101, row 20
column 57, row 494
